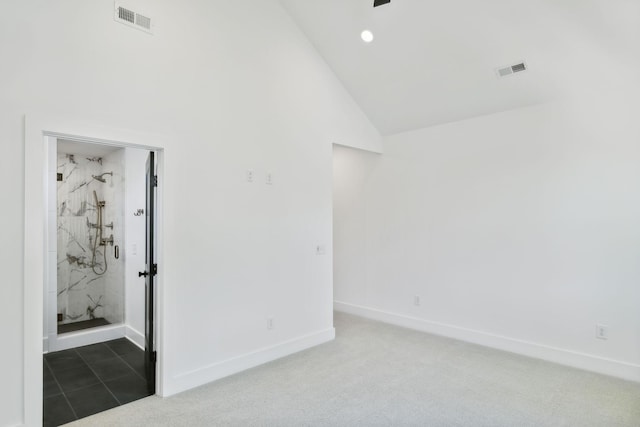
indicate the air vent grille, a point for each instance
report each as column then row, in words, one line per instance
column 133, row 19
column 511, row 69
column 126, row 15
column 143, row 21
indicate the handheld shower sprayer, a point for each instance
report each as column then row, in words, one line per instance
column 98, row 239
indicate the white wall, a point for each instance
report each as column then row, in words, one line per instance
column 517, row 230
column 231, row 86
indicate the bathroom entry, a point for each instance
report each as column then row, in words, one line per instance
column 101, row 212
column 99, row 310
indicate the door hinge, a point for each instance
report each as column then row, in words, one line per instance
column 154, row 356
column 154, row 269
column 155, row 180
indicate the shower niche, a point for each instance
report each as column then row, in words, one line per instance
column 89, row 223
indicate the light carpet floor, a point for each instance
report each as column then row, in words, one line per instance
column 375, row 374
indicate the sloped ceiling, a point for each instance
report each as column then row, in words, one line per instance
column 434, row 62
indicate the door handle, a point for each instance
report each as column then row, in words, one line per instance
column 143, row 273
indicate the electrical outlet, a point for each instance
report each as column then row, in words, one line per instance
column 249, row 175
column 268, row 178
column 602, row 332
column 320, row 250
column 270, row 324
column 416, row 300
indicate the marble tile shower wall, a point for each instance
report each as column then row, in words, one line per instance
column 114, row 211
column 83, row 294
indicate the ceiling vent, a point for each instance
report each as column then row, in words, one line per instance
column 133, row 19
column 511, row 69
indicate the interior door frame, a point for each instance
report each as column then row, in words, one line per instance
column 150, row 355
column 38, row 128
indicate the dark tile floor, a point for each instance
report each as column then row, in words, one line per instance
column 86, row 380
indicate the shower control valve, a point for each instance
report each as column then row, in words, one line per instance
column 105, row 241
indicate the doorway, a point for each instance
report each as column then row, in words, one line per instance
column 99, row 350
column 120, row 342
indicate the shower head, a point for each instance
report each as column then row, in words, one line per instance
column 100, row 177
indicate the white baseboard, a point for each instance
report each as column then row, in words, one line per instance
column 588, row 362
column 135, row 336
column 215, row 371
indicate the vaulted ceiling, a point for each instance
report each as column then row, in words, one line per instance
column 435, row 62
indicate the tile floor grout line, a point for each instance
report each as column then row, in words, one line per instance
column 61, row 389
column 100, row 379
column 144, row 378
column 78, row 354
column 132, row 368
column 132, row 371
column 55, row 379
column 70, row 406
column 127, row 363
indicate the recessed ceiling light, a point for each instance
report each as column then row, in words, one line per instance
column 367, row 36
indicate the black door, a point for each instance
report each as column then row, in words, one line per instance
column 150, row 275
